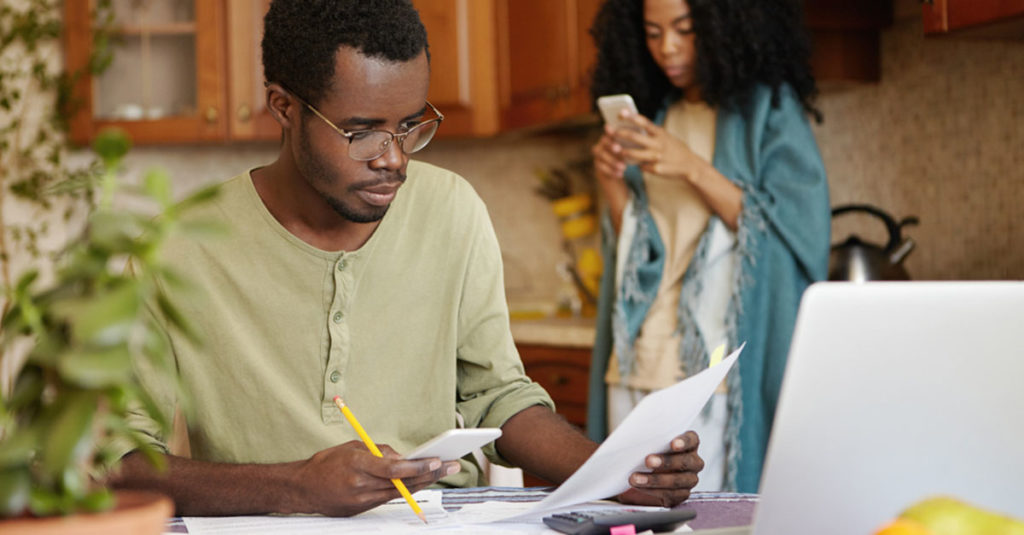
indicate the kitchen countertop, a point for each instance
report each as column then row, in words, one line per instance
column 554, row 331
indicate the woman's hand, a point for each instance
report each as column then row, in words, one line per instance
column 610, row 166
column 658, row 152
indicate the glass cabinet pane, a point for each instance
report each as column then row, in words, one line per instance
column 153, row 72
column 134, row 12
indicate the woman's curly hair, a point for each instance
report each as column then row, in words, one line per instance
column 740, row 44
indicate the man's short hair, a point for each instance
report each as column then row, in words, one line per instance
column 301, row 38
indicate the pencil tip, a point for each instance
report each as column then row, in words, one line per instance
column 423, row 517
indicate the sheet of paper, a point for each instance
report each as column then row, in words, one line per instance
column 649, row 428
column 392, row 517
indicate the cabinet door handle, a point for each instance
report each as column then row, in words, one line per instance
column 244, row 113
column 212, row 114
column 559, row 379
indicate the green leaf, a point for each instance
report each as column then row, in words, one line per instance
column 28, row 387
column 172, row 278
column 198, row 197
column 112, row 231
column 50, row 344
column 104, row 319
column 44, row 502
column 97, row 369
column 15, row 491
column 74, row 481
column 17, row 447
column 25, row 282
column 99, row 500
column 155, row 411
column 70, row 438
column 176, row 318
column 111, row 144
column 157, row 185
column 153, row 456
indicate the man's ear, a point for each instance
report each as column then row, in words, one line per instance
column 283, row 107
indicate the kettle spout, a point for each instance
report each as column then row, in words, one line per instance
column 902, row 251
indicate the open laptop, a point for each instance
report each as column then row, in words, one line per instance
column 895, row 391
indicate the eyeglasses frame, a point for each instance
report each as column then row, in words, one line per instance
column 349, row 134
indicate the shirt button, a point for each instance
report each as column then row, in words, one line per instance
column 342, row 264
column 337, row 317
column 335, row 376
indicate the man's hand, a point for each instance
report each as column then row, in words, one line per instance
column 339, row 481
column 347, row 479
column 672, row 475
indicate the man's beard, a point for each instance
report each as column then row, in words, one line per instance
column 375, row 213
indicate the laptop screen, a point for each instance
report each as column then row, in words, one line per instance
column 894, row 392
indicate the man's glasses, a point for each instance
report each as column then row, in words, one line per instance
column 366, row 145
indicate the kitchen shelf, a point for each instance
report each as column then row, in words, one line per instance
column 170, row 28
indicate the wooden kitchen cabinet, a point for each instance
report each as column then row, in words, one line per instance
column 165, row 83
column 189, row 71
column 545, row 59
column 504, row 64
column 970, row 18
column 248, row 117
column 565, row 373
column 183, row 71
column 846, row 39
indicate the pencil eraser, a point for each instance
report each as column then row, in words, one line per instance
column 628, row 529
column 336, row 398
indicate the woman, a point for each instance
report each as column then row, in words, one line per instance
column 718, row 217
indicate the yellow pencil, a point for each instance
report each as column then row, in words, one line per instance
column 374, row 450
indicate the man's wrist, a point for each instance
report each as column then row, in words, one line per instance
column 291, row 493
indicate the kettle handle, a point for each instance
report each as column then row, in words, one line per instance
column 890, row 224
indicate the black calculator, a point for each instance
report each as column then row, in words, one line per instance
column 601, row 522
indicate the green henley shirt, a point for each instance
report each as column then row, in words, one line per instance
column 409, row 330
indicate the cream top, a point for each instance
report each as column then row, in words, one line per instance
column 681, row 216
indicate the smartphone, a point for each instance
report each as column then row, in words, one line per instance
column 455, row 443
column 611, row 105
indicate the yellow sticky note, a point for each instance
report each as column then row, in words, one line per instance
column 716, row 356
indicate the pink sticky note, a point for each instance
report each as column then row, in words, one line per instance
column 628, row 529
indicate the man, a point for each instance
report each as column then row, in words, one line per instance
column 353, row 271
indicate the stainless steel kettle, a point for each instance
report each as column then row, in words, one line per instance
column 859, row 261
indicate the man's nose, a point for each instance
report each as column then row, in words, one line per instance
column 393, row 158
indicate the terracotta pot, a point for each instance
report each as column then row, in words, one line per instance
column 137, row 513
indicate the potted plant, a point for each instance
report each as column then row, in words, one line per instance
column 71, row 319
column 62, row 424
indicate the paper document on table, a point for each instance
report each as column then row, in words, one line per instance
column 649, row 428
column 391, row 517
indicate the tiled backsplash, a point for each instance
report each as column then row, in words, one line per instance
column 941, row 137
